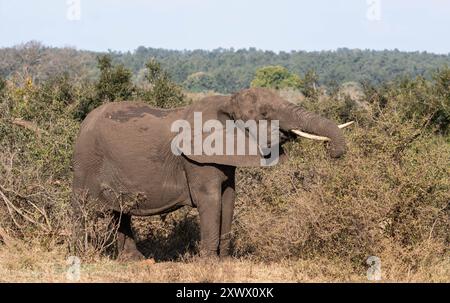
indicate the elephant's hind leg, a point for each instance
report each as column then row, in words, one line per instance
column 126, row 245
column 228, row 198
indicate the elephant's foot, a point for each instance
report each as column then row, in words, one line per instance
column 207, row 259
column 225, row 258
column 206, row 256
column 126, row 246
column 224, row 249
column 130, row 256
column 127, row 250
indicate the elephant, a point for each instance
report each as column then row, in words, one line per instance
column 126, row 149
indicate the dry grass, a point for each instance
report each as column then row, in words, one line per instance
column 194, row 97
column 32, row 264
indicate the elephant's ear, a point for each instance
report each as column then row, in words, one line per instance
column 219, row 144
column 214, row 136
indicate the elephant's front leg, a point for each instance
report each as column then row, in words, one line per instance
column 228, row 197
column 209, row 207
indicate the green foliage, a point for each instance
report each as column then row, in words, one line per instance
column 163, row 92
column 232, row 69
column 228, row 69
column 309, row 84
column 419, row 101
column 276, row 77
column 115, row 81
column 2, row 84
column 35, row 161
column 279, row 77
column 200, row 82
column 114, row 84
column 441, row 117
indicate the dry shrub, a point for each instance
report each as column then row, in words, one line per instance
column 193, row 97
column 94, row 229
column 35, row 163
column 174, row 236
column 389, row 196
column 33, row 203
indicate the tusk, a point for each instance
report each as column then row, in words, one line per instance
column 320, row 138
column 309, row 136
column 346, row 124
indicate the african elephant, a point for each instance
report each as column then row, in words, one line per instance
column 127, row 148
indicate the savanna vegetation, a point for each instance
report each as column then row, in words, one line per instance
column 309, row 219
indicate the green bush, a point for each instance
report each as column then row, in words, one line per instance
column 114, row 84
column 115, row 81
column 37, row 133
column 277, row 77
column 199, row 82
column 163, row 92
column 2, row 85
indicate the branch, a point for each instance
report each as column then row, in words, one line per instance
column 9, row 241
column 29, row 125
column 11, row 207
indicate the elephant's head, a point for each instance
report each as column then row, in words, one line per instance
column 264, row 104
column 258, row 104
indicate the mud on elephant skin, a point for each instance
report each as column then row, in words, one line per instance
column 126, row 148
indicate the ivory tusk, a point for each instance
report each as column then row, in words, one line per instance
column 309, row 136
column 320, row 138
column 346, row 124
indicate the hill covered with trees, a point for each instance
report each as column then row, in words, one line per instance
column 223, row 70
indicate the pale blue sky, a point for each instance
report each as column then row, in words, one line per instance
column 411, row 25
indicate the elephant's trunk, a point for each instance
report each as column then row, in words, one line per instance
column 310, row 122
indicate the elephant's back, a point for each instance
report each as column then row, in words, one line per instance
column 128, row 120
column 125, row 146
column 124, row 112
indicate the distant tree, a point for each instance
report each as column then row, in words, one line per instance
column 163, row 91
column 441, row 105
column 309, row 84
column 276, row 77
column 114, row 84
column 2, row 84
column 200, row 81
column 230, row 69
column 115, row 81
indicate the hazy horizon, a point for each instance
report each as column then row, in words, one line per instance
column 118, row 25
column 133, row 49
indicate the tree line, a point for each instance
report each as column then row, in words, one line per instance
column 224, row 70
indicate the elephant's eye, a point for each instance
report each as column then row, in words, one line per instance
column 264, row 111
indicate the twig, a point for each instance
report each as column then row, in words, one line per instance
column 436, row 220
column 29, row 125
column 5, row 199
column 9, row 205
column 6, row 238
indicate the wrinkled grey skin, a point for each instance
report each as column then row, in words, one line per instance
column 123, row 150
